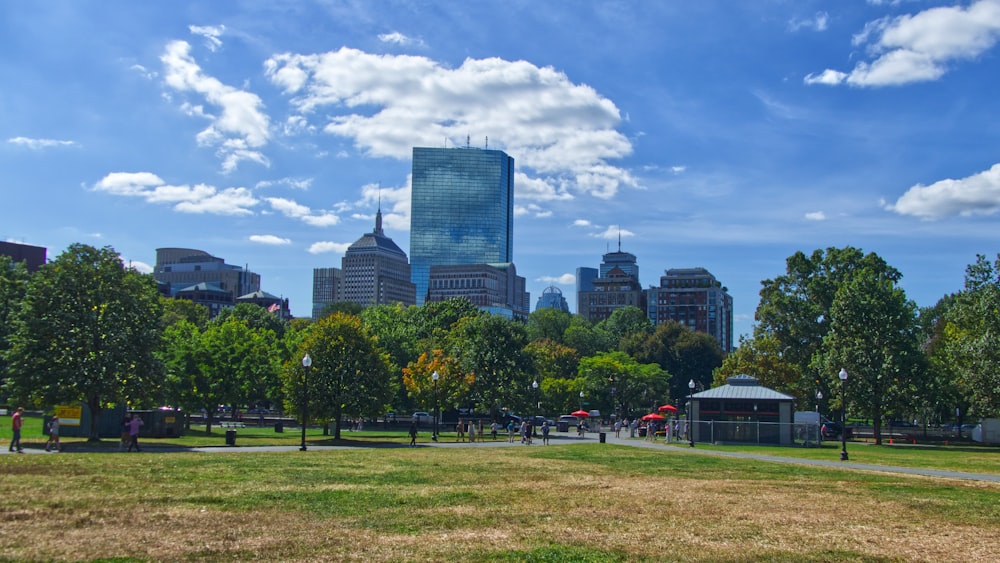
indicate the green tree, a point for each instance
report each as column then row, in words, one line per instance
column 552, row 360
column 350, row 375
column 973, row 337
column 636, row 385
column 587, row 339
column 873, row 335
column 255, row 316
column 181, row 309
column 491, row 348
column 348, row 307
column 761, row 358
column 548, row 323
column 794, row 308
column 13, row 286
column 452, row 386
column 678, row 350
column 86, row 332
column 624, row 323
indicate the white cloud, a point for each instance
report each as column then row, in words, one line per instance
column 199, row 198
column 39, row 144
column 270, row 240
column 531, row 209
column 240, row 130
column 563, row 135
column 395, row 204
column 293, row 183
column 210, row 33
column 565, row 279
column 816, row 216
column 146, row 73
column 917, row 48
column 614, row 232
column 818, row 22
column 398, row 38
column 978, row 194
column 326, row 246
column 294, row 210
column 141, row 267
column 581, row 223
column 678, row 169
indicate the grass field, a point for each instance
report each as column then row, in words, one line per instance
column 574, row 502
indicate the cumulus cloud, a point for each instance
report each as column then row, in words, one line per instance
column 581, row 223
column 394, row 202
column 294, row 210
column 563, row 135
column 200, row 198
column 141, row 267
column 210, row 33
column 816, row 216
column 242, row 127
column 39, row 144
column 271, row 240
column 978, row 194
column 565, row 279
column 919, row 47
column 326, row 246
column 532, row 210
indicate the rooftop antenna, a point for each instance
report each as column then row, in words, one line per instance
column 378, row 214
column 468, row 140
column 487, row 142
column 619, row 238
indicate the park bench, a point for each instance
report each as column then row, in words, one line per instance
column 230, row 424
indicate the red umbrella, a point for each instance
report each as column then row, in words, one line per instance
column 653, row 416
column 668, row 408
column 580, row 413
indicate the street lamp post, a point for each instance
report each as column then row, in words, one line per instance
column 690, row 405
column 437, row 413
column 307, row 363
column 534, row 418
column 614, row 406
column 581, row 400
column 843, row 416
column 819, row 418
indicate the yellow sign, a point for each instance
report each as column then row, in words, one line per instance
column 69, row 416
column 168, row 419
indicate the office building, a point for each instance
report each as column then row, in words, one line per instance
column 492, row 287
column 552, row 298
column 695, row 299
column 616, row 286
column 462, row 210
column 32, row 256
column 182, row 268
column 327, row 283
column 375, row 271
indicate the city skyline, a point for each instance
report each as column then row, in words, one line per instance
column 720, row 135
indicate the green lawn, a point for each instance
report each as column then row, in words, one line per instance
column 571, row 502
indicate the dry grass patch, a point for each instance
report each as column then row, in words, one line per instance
column 562, row 503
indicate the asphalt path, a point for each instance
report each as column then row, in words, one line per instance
column 423, row 441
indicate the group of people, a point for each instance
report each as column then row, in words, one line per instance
column 17, row 422
column 470, row 431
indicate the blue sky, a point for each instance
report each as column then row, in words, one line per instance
column 720, row 134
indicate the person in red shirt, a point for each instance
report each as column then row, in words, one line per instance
column 15, row 426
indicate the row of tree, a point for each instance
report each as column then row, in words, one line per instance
column 87, row 328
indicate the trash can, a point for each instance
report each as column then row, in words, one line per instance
column 230, row 437
column 279, row 427
column 601, row 437
column 563, row 426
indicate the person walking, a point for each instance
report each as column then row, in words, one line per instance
column 413, row 434
column 133, row 432
column 53, row 435
column 618, row 429
column 460, row 431
column 545, row 433
column 510, row 431
column 16, row 420
column 493, row 430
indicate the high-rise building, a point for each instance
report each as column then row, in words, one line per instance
column 616, row 286
column 327, row 283
column 461, row 212
column 182, row 268
column 552, row 298
column 695, row 299
column 376, row 271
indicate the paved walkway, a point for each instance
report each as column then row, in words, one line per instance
column 571, row 438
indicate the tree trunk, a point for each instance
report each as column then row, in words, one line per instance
column 208, row 421
column 94, row 404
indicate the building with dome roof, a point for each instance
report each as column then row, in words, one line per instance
column 552, row 298
column 374, row 271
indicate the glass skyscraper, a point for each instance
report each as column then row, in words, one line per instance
column 461, row 210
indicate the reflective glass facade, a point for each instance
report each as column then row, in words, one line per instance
column 462, row 210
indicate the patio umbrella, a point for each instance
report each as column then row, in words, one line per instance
column 653, row 416
column 668, row 408
column 580, row 413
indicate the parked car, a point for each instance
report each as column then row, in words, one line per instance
column 422, row 418
column 831, row 430
column 568, row 419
